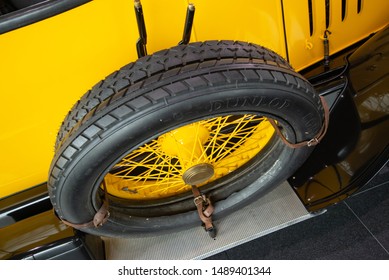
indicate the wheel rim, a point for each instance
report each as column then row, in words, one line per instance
column 194, row 154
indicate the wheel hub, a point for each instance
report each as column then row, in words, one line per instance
column 198, row 174
column 186, row 143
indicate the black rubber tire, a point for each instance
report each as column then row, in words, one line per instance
column 165, row 90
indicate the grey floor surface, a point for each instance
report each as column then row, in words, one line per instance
column 279, row 208
column 356, row 229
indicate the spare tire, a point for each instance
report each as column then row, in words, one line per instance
column 204, row 104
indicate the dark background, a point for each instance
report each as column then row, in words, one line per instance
column 356, row 229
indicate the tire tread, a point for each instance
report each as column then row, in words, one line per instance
column 143, row 83
column 168, row 63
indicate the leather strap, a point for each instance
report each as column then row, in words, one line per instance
column 204, row 208
column 99, row 218
column 315, row 140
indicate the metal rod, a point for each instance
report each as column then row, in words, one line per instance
column 327, row 3
column 359, row 8
column 326, row 44
column 142, row 41
column 344, row 9
column 188, row 25
column 310, row 14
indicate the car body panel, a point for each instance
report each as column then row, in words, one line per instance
column 348, row 21
column 50, row 64
column 356, row 144
column 32, row 232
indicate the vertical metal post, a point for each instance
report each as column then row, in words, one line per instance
column 142, row 41
column 188, row 25
column 328, row 9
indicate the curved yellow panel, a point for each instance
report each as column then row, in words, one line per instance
column 47, row 66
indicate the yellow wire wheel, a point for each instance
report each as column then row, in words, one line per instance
column 157, row 169
column 190, row 115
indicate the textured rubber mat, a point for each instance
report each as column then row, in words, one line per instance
column 277, row 209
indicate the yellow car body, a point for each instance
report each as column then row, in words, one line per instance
column 48, row 65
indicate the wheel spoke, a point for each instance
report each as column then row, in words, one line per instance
column 155, row 169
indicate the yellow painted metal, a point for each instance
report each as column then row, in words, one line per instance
column 47, row 66
column 306, row 49
column 186, row 143
column 256, row 21
column 38, row 230
column 155, row 169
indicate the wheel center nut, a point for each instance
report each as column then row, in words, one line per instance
column 198, row 174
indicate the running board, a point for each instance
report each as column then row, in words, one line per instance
column 278, row 209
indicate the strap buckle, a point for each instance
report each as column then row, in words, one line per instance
column 201, row 199
column 313, row 142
